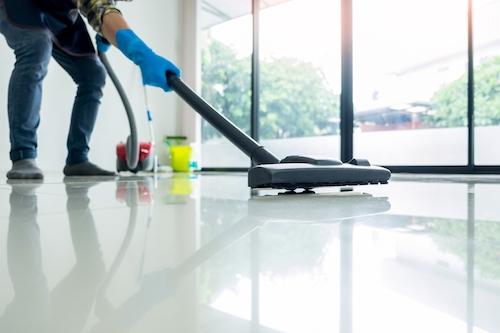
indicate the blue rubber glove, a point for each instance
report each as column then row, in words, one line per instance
column 102, row 44
column 153, row 67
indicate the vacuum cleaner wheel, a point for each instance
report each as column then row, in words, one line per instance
column 145, row 165
column 121, row 165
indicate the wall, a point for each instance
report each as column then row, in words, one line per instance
column 158, row 23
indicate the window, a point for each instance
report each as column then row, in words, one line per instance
column 300, row 77
column 487, row 80
column 410, row 81
column 410, row 92
column 226, row 76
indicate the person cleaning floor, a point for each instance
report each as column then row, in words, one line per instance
column 37, row 30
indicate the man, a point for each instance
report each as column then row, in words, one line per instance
column 37, row 30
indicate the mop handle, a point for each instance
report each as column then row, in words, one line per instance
column 151, row 130
column 150, row 116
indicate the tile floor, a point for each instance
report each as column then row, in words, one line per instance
column 189, row 254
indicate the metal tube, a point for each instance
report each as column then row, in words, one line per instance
column 244, row 142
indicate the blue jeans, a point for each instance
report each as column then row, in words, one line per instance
column 33, row 49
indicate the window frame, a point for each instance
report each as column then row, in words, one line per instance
column 346, row 98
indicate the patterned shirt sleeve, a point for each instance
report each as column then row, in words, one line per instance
column 94, row 10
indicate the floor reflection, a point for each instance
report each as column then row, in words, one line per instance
column 66, row 307
column 176, row 255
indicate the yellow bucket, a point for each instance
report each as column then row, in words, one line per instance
column 180, row 157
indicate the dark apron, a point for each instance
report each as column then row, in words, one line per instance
column 61, row 17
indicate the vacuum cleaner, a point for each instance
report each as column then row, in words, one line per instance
column 132, row 155
column 290, row 173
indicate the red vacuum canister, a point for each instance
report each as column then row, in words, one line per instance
column 146, row 157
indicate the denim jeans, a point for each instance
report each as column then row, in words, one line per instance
column 33, row 49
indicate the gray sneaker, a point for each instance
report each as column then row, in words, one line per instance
column 25, row 169
column 86, row 169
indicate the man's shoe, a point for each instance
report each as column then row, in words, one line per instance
column 86, row 169
column 25, row 169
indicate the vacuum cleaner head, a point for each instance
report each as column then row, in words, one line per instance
column 304, row 172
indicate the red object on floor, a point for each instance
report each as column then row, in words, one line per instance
column 144, row 151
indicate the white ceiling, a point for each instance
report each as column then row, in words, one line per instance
column 218, row 11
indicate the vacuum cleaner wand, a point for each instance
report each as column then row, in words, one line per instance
column 244, row 142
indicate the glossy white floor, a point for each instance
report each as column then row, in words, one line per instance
column 200, row 254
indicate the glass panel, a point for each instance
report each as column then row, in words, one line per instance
column 487, row 80
column 226, row 76
column 410, row 81
column 300, row 77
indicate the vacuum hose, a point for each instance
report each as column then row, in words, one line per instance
column 132, row 145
